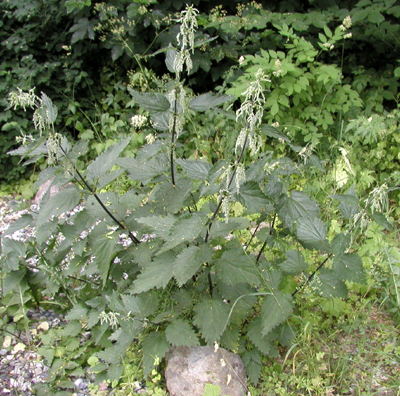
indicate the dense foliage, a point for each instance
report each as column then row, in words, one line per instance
column 186, row 217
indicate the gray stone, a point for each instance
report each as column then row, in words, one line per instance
column 189, row 369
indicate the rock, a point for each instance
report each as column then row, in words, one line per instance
column 189, row 369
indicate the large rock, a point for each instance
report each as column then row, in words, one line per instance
column 189, row 369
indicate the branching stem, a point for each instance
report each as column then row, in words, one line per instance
column 173, row 138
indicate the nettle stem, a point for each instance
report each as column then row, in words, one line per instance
column 271, row 230
column 173, row 140
column 104, row 207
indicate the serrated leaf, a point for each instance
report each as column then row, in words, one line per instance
column 210, row 317
column 24, row 221
column 170, row 58
column 78, row 312
column 152, row 102
column 235, row 267
column 62, row 202
column 340, row 244
column 170, row 198
column 349, row 267
column 50, row 110
column 312, row 233
column 329, row 284
column 274, row 133
column 155, row 346
column 155, row 274
column 253, row 364
column 195, row 169
column 348, row 205
column 296, row 206
column 294, row 263
column 161, row 225
column 105, row 161
column 104, row 250
column 184, row 230
column 253, row 198
column 275, row 310
column 263, row 343
column 141, row 306
column 180, row 333
column 189, row 261
column 207, row 101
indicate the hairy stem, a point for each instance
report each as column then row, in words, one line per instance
column 173, row 137
column 271, row 230
column 91, row 190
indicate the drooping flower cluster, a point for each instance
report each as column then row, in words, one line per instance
column 185, row 39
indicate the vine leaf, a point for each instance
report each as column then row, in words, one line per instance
column 180, row 333
column 275, row 310
column 210, row 317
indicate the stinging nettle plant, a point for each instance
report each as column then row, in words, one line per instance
column 194, row 252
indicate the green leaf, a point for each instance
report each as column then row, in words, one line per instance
column 62, row 202
column 349, row 267
column 155, row 346
column 263, row 343
column 104, row 162
column 141, row 306
column 211, row 390
column 161, row 225
column 275, row 310
column 189, row 261
column 152, row 102
column 170, row 198
column 104, row 250
column 253, row 364
column 210, row 317
column 253, row 198
column 340, row 244
column 207, row 101
column 235, row 267
column 329, row 284
column 296, row 206
column 180, row 333
column 78, row 312
column 312, row 233
column 184, row 230
column 50, row 110
column 294, row 263
column 170, row 58
column 155, row 274
column 348, row 205
column 24, row 221
column 195, row 169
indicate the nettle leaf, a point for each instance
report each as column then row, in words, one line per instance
column 349, row 267
column 210, row 317
column 170, row 59
column 62, row 202
column 340, row 244
column 184, row 230
column 195, row 169
column 297, row 206
column 142, row 170
column 24, row 221
column 348, row 205
column 141, row 306
column 253, row 198
column 152, row 102
column 252, row 362
column 156, row 274
column 275, row 310
column 263, row 343
column 161, row 225
column 170, row 198
column 207, row 101
column 294, row 263
column 235, row 267
column 312, row 233
column 180, row 333
column 155, row 346
column 104, row 250
column 189, row 261
column 329, row 284
column 105, row 161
